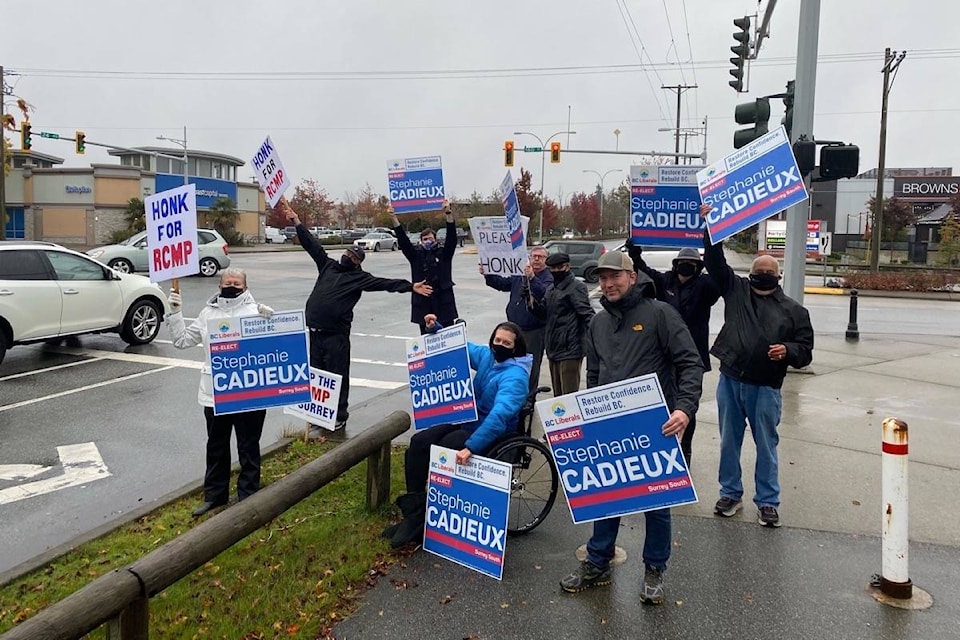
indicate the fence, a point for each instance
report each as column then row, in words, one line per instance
column 120, row 599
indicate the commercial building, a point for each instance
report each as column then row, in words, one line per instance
column 83, row 206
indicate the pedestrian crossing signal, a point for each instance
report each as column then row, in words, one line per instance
column 554, row 152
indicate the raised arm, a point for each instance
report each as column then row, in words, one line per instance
column 310, row 244
column 635, row 251
column 403, row 240
column 713, row 258
column 450, row 240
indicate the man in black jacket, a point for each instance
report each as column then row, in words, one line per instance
column 526, row 292
column 431, row 262
column 566, row 306
column 329, row 311
column 763, row 332
column 637, row 335
column 691, row 292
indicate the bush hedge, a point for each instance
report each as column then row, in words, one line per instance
column 918, row 280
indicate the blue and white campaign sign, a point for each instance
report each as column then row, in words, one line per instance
column 415, row 184
column 440, row 385
column 324, row 397
column 172, row 233
column 511, row 209
column 750, row 185
column 612, row 457
column 273, row 179
column 665, row 206
column 495, row 248
column 467, row 506
column 258, row 362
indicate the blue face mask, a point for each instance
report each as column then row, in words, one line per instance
column 428, row 244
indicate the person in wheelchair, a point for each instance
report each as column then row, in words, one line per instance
column 501, row 385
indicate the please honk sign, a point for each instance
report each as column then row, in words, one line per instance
column 172, row 233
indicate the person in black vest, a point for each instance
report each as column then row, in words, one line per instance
column 431, row 262
column 691, row 292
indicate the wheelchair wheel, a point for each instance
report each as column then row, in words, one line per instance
column 533, row 487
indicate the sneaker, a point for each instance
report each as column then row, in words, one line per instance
column 652, row 586
column 727, row 507
column 768, row 516
column 586, row 575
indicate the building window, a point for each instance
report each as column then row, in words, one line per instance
column 176, row 167
column 203, row 168
column 15, row 223
column 163, row 165
column 218, row 170
column 193, row 166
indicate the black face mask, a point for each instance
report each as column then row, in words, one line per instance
column 501, row 353
column 559, row 276
column 764, row 281
column 685, row 269
column 230, row 292
column 347, row 263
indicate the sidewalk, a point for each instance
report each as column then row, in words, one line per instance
column 733, row 578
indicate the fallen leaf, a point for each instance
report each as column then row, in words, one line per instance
column 748, row 598
column 856, row 503
column 603, row 621
column 679, row 603
column 446, row 599
column 537, row 567
column 504, row 605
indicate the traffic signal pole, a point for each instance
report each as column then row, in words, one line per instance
column 795, row 252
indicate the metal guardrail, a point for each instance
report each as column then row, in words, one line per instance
column 120, row 599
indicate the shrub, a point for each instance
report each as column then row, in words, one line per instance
column 919, row 280
column 233, row 237
column 119, row 235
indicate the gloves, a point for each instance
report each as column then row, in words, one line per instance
column 264, row 311
column 635, row 251
column 175, row 301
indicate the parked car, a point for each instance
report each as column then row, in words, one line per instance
column 461, row 235
column 49, row 292
column 272, row 235
column 659, row 258
column 386, row 230
column 132, row 254
column 568, row 234
column 290, row 233
column 376, row 242
column 584, row 255
column 349, row 235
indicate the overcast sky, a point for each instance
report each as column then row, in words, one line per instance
column 344, row 86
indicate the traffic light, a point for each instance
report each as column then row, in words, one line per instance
column 508, row 153
column 756, row 113
column 742, row 51
column 81, row 139
column 839, row 161
column 26, row 141
column 787, row 121
column 554, row 152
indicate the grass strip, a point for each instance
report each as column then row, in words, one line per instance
column 293, row 578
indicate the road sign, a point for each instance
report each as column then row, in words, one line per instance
column 826, row 243
column 47, row 134
column 533, row 149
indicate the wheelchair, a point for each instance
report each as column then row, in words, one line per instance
column 535, row 479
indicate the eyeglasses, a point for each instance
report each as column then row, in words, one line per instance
column 537, row 256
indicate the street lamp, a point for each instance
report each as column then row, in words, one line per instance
column 604, row 175
column 182, row 143
column 543, row 168
column 616, row 132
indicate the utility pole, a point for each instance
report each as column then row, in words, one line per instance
column 679, row 88
column 3, row 161
column 795, row 251
column 890, row 64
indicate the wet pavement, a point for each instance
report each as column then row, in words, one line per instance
column 733, row 578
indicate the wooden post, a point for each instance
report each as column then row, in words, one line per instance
column 133, row 623
column 378, row 478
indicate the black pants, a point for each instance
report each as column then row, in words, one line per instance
column 216, row 480
column 686, row 442
column 417, row 459
column 331, row 352
column 534, row 340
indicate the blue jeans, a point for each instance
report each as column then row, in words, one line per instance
column 656, row 540
column 739, row 402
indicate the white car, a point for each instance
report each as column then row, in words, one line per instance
column 48, row 292
column 376, row 242
column 272, row 235
column 133, row 254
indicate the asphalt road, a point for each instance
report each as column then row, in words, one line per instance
column 138, row 404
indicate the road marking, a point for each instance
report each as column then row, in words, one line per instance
column 199, row 346
column 82, row 463
column 59, row 366
column 141, row 358
column 378, row 335
column 52, row 396
column 375, row 384
column 21, row 471
column 365, row 361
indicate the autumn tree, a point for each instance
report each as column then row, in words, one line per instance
column 276, row 218
column 551, row 214
column 949, row 252
column 528, row 199
column 897, row 216
column 311, row 203
column 585, row 212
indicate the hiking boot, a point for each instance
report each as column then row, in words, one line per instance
column 768, row 516
column 414, row 508
column 585, row 576
column 727, row 507
column 407, row 502
column 652, row 586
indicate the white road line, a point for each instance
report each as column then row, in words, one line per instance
column 381, row 362
column 59, row 366
column 199, row 346
column 378, row 335
column 375, row 384
column 25, row 403
column 141, row 358
column 82, row 463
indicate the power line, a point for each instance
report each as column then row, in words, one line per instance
column 693, row 67
column 653, row 91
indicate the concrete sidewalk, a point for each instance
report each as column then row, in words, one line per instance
column 733, row 578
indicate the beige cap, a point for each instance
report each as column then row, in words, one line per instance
column 615, row 261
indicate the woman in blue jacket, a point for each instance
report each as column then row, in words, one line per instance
column 500, row 387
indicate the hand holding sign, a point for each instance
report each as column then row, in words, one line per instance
column 288, row 211
column 676, row 424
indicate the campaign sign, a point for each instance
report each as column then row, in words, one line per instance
column 665, row 206
column 511, row 209
column 324, row 397
column 612, row 458
column 751, row 184
column 258, row 362
column 415, row 184
column 172, row 233
column 467, row 507
column 272, row 178
column 440, row 385
column 498, row 256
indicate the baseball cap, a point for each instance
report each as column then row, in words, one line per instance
column 615, row 261
column 358, row 252
column 557, row 259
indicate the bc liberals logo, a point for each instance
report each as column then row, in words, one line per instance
column 558, row 409
column 711, row 171
column 224, row 327
column 443, row 458
column 644, row 174
column 396, row 164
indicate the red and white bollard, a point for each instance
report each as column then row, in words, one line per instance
column 895, row 572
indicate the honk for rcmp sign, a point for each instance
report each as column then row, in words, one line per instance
column 172, row 233
column 270, row 173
